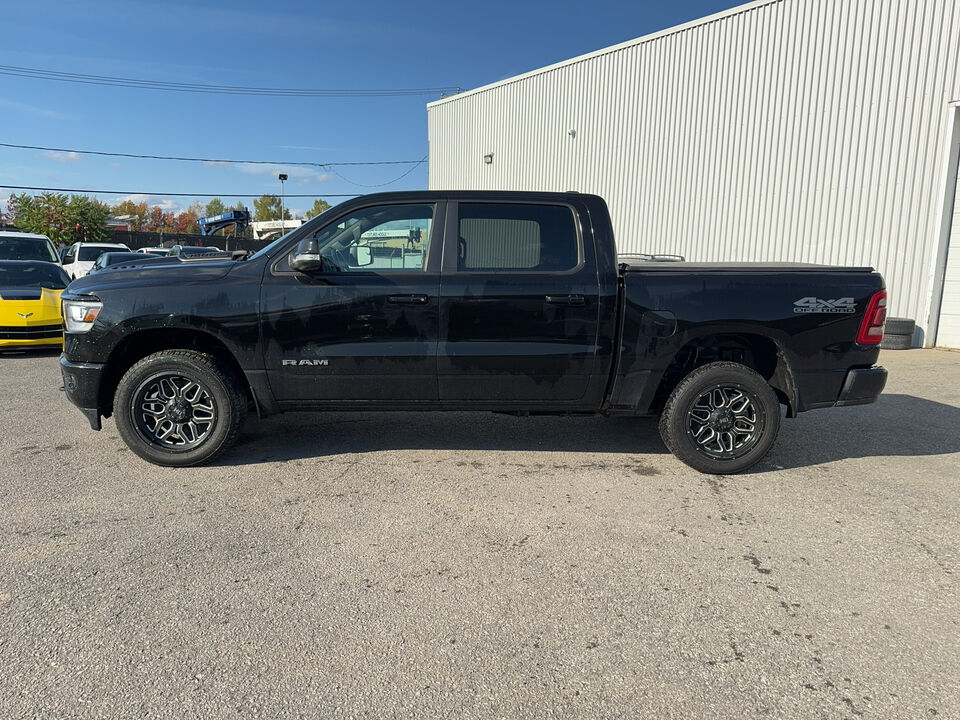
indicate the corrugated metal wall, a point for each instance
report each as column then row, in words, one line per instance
column 790, row 130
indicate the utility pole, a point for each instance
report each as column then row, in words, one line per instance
column 283, row 225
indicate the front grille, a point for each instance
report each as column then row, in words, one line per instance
column 35, row 332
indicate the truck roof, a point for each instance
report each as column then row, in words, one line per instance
column 472, row 194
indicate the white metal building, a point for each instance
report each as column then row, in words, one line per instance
column 782, row 130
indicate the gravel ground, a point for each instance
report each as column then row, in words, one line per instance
column 483, row 566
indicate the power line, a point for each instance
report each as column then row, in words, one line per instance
column 401, row 176
column 168, row 194
column 138, row 156
column 109, row 80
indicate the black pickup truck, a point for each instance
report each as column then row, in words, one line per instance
column 497, row 301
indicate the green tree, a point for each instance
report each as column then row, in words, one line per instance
column 88, row 219
column 319, row 206
column 214, row 207
column 267, row 207
column 64, row 220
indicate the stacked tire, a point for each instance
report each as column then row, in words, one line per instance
column 898, row 334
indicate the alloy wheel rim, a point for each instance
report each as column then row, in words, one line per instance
column 725, row 421
column 174, row 411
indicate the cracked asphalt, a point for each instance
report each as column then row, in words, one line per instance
column 483, row 566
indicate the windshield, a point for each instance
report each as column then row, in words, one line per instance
column 90, row 253
column 113, row 258
column 22, row 248
column 33, row 274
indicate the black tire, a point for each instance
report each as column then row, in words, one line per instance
column 179, row 408
column 687, row 417
column 896, row 342
column 899, row 326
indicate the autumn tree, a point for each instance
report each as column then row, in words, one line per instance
column 319, row 206
column 267, row 207
column 159, row 221
column 136, row 214
column 185, row 223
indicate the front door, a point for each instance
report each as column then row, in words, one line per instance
column 365, row 327
column 519, row 308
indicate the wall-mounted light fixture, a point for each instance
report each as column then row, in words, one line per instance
column 488, row 159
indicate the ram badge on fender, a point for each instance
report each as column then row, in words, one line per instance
column 507, row 301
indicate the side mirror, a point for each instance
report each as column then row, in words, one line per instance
column 306, row 258
column 363, row 255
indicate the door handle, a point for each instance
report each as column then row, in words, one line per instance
column 565, row 299
column 407, row 299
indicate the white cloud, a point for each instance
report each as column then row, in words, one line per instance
column 133, row 198
column 295, row 172
column 167, row 204
column 315, row 178
column 63, row 157
column 32, row 109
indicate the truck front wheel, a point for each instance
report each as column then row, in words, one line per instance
column 179, row 408
column 721, row 418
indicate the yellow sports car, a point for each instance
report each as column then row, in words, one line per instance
column 30, row 304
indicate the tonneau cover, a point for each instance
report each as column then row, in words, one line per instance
column 628, row 265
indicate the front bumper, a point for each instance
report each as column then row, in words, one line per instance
column 862, row 386
column 28, row 336
column 81, row 383
column 16, row 344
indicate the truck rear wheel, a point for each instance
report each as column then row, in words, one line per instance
column 179, row 408
column 721, row 418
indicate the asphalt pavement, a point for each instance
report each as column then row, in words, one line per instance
column 483, row 566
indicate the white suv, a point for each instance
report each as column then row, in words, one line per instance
column 80, row 257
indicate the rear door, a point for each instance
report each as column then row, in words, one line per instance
column 519, row 307
column 364, row 330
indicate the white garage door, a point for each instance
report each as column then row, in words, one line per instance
column 948, row 331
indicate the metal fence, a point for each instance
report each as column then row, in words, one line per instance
column 135, row 239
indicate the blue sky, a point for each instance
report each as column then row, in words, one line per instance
column 355, row 45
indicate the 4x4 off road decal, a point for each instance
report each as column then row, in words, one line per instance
column 819, row 305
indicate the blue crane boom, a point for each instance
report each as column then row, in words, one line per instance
column 238, row 218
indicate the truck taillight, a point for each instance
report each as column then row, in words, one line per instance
column 871, row 329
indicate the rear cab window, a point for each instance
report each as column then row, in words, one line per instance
column 515, row 237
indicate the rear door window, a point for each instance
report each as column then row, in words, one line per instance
column 508, row 237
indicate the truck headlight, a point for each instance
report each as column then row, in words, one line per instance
column 79, row 315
